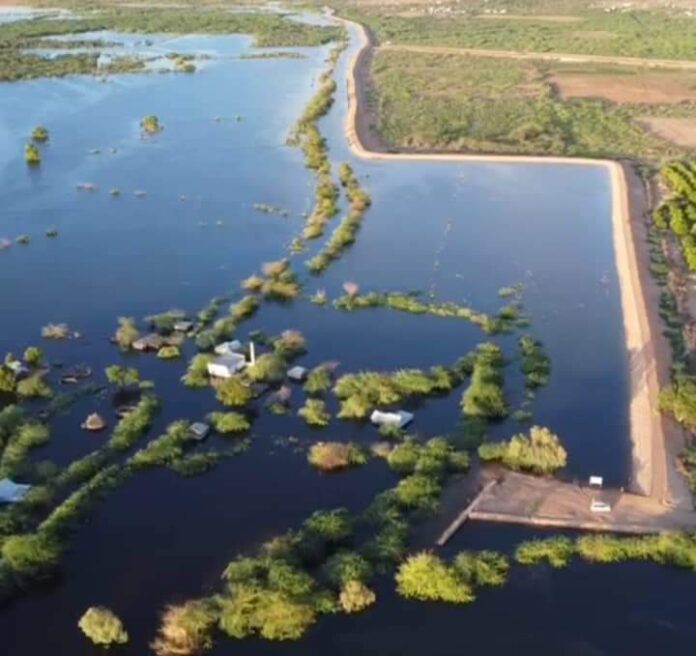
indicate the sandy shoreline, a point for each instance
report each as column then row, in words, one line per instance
column 654, row 441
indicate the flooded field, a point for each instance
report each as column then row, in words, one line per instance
column 184, row 229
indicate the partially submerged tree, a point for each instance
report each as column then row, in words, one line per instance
column 103, row 627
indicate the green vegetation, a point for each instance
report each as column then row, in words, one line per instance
column 164, row 450
column 126, row 333
column 134, row 424
column 319, row 380
column 34, row 387
column 673, row 549
column 361, row 393
column 122, row 377
column 484, row 397
column 677, row 213
column 426, row 101
column 30, row 556
column 150, row 124
column 333, row 456
column 556, row 551
column 229, row 422
column 410, row 302
column 426, row 577
column 355, row 597
column 536, row 365
column 344, row 234
column 103, row 627
column 541, row 452
column 436, row 457
column 268, row 368
column 482, row 568
column 635, row 33
column 186, row 629
column 33, row 356
column 234, row 392
column 279, row 282
column 196, row 375
column 57, row 331
column 171, row 352
column 32, row 155
column 23, row 240
column 39, row 133
column 306, row 135
column 163, row 323
column 20, row 438
column 314, row 412
column 52, row 232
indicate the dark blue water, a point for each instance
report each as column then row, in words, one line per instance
column 463, row 231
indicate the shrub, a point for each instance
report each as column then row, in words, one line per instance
column 8, row 380
column 169, row 353
column 269, row 368
column 536, row 365
column 332, row 456
column 150, row 124
column 32, row 555
column 164, row 322
column 314, row 412
column 290, row 344
column 197, row 373
column 33, row 356
column 484, row 397
column 34, row 387
column 252, row 283
column 331, row 525
column 56, row 331
column 234, row 392
column 541, row 452
column 126, row 333
column 482, row 568
column 418, row 491
column 273, row 615
column 356, row 596
column 32, row 155
column 186, row 629
column 556, row 551
column 345, row 566
column 122, row 376
column 229, row 422
column 679, row 399
column 424, row 576
column 39, row 133
column 318, row 380
column 135, row 424
column 103, row 627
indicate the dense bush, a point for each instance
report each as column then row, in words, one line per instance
column 234, row 392
column 426, row 577
column 556, row 551
column 229, row 422
column 314, row 412
column 331, row 456
column 186, row 629
column 484, row 397
column 541, row 452
column 31, row 555
column 103, row 627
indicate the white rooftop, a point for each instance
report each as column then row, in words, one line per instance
column 400, row 418
column 11, row 492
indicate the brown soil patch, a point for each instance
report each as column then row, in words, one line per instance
column 534, row 18
column 681, row 131
column 646, row 88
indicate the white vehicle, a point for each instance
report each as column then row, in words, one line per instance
column 599, row 506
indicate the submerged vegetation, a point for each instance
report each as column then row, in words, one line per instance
column 411, row 302
column 344, row 234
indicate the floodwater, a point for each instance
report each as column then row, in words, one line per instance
column 461, row 231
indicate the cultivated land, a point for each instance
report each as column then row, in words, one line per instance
column 656, row 442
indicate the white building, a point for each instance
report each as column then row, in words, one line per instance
column 226, row 366
column 400, row 418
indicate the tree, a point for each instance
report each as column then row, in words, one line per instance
column 150, row 124
column 33, row 356
column 122, row 376
column 103, row 627
column 234, row 392
column 186, row 629
column 8, row 380
column 32, row 155
column 425, row 576
column 356, row 596
column 541, row 452
column 679, row 399
column 126, row 333
column 39, row 133
column 31, row 554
